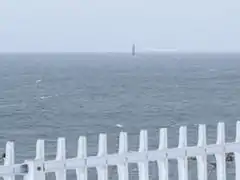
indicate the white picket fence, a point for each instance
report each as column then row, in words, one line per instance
column 37, row 168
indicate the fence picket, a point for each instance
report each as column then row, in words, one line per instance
column 163, row 163
column 82, row 154
column 183, row 162
column 220, row 157
column 202, row 160
column 9, row 158
column 143, row 147
column 36, row 168
column 123, row 148
column 102, row 170
column 237, row 153
column 61, row 156
column 40, row 150
column 40, row 157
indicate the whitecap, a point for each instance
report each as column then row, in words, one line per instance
column 45, row 97
column 119, row 125
column 19, row 105
column 38, row 81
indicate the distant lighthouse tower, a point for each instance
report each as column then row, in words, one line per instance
column 133, row 50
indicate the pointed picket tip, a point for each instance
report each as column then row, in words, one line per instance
column 163, row 139
column 123, row 142
column 221, row 133
column 40, row 150
column 182, row 136
column 202, row 135
column 82, row 147
column 102, row 144
column 143, row 140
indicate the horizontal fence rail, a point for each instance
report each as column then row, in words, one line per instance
column 36, row 169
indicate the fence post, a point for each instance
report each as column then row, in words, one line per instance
column 183, row 162
column 61, row 156
column 82, row 154
column 163, row 163
column 102, row 171
column 123, row 148
column 202, row 159
column 9, row 158
column 237, row 154
column 143, row 147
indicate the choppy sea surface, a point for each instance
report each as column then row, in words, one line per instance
column 68, row 95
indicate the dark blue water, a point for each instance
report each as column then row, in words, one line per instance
column 47, row 96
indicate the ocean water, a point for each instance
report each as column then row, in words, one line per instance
column 68, row 95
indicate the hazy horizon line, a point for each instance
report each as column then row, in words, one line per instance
column 124, row 52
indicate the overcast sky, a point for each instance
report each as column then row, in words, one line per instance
column 113, row 25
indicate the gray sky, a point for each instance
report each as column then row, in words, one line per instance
column 113, row 25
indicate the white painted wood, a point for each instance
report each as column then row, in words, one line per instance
column 40, row 157
column 38, row 166
column 35, row 170
column 136, row 157
column 9, row 160
column 183, row 161
column 82, row 154
column 202, row 159
column 143, row 147
column 102, row 170
column 163, row 163
column 40, row 150
column 31, row 175
column 61, row 157
column 220, row 156
column 123, row 148
column 237, row 152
